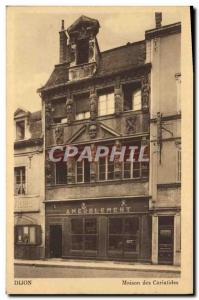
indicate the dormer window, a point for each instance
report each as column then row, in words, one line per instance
column 82, row 51
column 20, row 130
column 132, row 96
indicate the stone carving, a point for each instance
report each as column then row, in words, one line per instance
column 145, row 92
column 73, row 54
column 83, row 206
column 123, row 203
column 80, row 72
column 59, row 135
column 83, row 32
column 91, row 51
column 48, row 114
column 118, row 101
column 117, row 162
column 93, row 164
column 70, row 110
column 92, row 130
column 49, row 170
column 70, row 170
column 131, row 124
column 93, row 105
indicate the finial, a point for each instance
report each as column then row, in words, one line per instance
column 62, row 24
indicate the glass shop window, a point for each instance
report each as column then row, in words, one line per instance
column 132, row 97
column 61, row 172
column 82, row 106
column 20, row 181
column 84, row 234
column 29, row 235
column 106, row 102
column 82, row 51
column 123, row 235
column 20, row 130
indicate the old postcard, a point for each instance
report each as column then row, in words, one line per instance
column 99, row 143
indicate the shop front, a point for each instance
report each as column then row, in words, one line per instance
column 118, row 229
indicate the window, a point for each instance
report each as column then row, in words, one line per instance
column 83, row 115
column 123, row 235
column 20, row 180
column 83, row 171
column 106, row 103
column 82, row 51
column 106, row 168
column 20, row 130
column 61, row 173
column 136, row 100
column 132, row 96
column 136, row 169
column 29, row 234
column 84, row 234
column 82, row 106
column 179, row 165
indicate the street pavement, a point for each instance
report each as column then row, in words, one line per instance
column 38, row 271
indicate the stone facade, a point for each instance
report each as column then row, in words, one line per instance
column 127, row 96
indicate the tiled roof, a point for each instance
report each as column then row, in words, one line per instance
column 112, row 61
column 121, row 58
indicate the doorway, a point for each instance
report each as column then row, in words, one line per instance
column 55, row 241
column 165, row 239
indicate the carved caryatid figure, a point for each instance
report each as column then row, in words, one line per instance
column 91, row 50
column 117, row 162
column 49, row 170
column 118, row 101
column 59, row 135
column 145, row 92
column 93, row 105
column 48, row 114
column 93, row 164
column 70, row 110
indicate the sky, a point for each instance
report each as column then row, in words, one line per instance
column 33, row 41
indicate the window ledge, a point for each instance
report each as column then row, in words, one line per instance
column 97, row 183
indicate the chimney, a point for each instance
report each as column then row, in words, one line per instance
column 63, row 44
column 158, row 19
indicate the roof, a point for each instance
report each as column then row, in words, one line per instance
column 84, row 20
column 112, row 61
column 163, row 31
column 121, row 58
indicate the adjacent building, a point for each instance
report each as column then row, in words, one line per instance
column 109, row 210
column 163, row 48
column 29, row 214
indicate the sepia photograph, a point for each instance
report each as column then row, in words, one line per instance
column 96, row 179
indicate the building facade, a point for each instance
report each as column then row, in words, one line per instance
column 127, row 96
column 29, row 214
column 163, row 46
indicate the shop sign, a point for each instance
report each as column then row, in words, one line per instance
column 84, row 210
